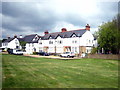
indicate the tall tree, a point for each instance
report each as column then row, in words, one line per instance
column 109, row 38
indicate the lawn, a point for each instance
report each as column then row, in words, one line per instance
column 28, row 72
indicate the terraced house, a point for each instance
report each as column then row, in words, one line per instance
column 77, row 41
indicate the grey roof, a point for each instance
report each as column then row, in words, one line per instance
column 20, row 39
column 8, row 40
column 27, row 38
column 66, row 34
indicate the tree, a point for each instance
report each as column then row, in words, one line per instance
column 108, row 37
column 23, row 43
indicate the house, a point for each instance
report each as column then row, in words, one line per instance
column 32, row 44
column 77, row 41
column 12, row 43
column 15, row 43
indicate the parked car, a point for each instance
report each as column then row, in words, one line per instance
column 10, row 51
column 43, row 53
column 67, row 54
column 15, row 52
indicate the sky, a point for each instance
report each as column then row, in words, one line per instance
column 26, row 17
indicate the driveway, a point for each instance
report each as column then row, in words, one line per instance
column 53, row 57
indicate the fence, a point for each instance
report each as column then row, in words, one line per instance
column 104, row 56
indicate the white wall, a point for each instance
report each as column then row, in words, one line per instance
column 12, row 44
column 86, row 40
column 32, row 47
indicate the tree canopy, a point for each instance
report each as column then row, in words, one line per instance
column 108, row 37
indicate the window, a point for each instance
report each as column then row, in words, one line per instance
column 59, row 42
column 17, row 47
column 36, row 38
column 5, row 44
column 75, row 49
column 73, row 35
column 50, row 42
column 32, row 44
column 50, row 37
column 40, row 42
column 74, row 41
column 89, row 41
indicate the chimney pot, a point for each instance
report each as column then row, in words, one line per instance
column 63, row 30
column 87, row 27
column 46, row 32
column 15, row 36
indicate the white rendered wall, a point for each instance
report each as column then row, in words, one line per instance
column 12, row 44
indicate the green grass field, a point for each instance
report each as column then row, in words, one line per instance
column 28, row 72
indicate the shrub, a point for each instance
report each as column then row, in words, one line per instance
column 35, row 53
column 94, row 50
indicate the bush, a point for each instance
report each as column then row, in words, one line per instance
column 35, row 53
column 94, row 50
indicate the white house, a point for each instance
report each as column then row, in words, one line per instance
column 32, row 44
column 12, row 43
column 77, row 41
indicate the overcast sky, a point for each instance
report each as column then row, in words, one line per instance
column 23, row 18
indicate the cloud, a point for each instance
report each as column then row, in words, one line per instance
column 36, row 17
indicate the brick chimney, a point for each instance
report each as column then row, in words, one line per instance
column 63, row 30
column 87, row 27
column 46, row 32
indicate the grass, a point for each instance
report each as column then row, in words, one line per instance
column 28, row 72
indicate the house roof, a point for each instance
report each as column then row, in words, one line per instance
column 29, row 38
column 66, row 34
column 20, row 39
column 8, row 40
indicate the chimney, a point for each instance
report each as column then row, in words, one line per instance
column 21, row 36
column 15, row 36
column 63, row 30
column 87, row 27
column 8, row 37
column 46, row 32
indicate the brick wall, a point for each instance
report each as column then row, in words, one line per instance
column 104, row 56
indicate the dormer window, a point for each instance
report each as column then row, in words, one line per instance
column 50, row 38
column 35, row 39
column 73, row 35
